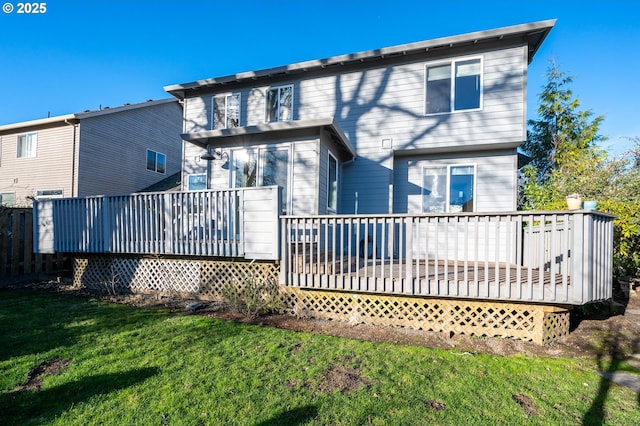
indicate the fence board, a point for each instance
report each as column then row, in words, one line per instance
column 17, row 259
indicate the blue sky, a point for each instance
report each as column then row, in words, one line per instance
column 81, row 55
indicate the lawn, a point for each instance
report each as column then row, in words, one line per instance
column 71, row 360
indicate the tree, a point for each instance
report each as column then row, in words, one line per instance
column 563, row 135
column 565, row 159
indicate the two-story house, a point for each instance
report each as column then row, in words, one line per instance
column 397, row 173
column 109, row 151
column 431, row 126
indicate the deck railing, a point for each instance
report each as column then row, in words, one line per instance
column 558, row 257
column 228, row 223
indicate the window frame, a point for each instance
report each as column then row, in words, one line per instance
column 277, row 114
column 40, row 194
column 337, row 181
column 206, row 183
column 259, row 152
column 452, row 79
column 447, row 200
column 157, row 154
column 2, row 197
column 34, row 148
column 226, row 97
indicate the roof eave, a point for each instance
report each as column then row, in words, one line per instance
column 535, row 33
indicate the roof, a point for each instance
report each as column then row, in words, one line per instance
column 533, row 33
column 170, row 183
column 76, row 117
column 209, row 136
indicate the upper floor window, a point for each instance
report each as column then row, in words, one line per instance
column 156, row 161
column 27, row 145
column 280, row 103
column 226, row 111
column 453, row 86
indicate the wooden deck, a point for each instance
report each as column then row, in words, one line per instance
column 434, row 278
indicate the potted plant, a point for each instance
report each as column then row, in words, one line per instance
column 574, row 201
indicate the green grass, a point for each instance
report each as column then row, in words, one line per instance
column 137, row 366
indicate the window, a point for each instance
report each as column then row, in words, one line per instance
column 226, row 111
column 453, row 86
column 7, row 199
column 448, row 189
column 275, row 170
column 156, row 161
column 27, row 145
column 45, row 194
column 280, row 103
column 332, row 184
column 197, row 182
column 264, row 166
column 245, row 166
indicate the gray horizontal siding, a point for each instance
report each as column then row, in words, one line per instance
column 388, row 101
column 113, row 149
column 496, row 180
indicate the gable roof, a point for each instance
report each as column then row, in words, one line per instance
column 534, row 34
column 76, row 117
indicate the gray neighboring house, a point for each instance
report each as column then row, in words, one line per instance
column 116, row 150
column 431, row 126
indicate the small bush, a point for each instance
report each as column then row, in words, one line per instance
column 253, row 297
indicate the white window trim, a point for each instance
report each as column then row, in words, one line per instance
column 35, row 151
column 49, row 196
column 156, row 168
column 260, row 165
column 330, row 209
column 226, row 108
column 453, row 62
column 266, row 103
column 447, row 201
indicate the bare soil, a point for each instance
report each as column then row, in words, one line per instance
column 610, row 329
column 49, row 367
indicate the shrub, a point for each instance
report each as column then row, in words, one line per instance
column 253, row 297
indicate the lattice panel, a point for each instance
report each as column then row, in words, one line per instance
column 475, row 318
column 556, row 326
column 204, row 278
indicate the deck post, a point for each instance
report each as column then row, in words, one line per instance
column 579, row 269
column 106, row 225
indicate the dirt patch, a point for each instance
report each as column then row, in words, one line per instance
column 597, row 332
column 434, row 404
column 49, row 367
column 338, row 378
column 527, row 403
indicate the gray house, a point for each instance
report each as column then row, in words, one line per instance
column 109, row 151
column 378, row 186
column 431, row 126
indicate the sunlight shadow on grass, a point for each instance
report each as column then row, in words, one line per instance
column 292, row 417
column 38, row 406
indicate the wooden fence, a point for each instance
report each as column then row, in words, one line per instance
column 17, row 259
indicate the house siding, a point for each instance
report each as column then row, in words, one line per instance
column 113, row 148
column 496, row 180
column 387, row 101
column 50, row 169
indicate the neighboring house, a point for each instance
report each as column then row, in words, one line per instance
column 431, row 126
column 110, row 151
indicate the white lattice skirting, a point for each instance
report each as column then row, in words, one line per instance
column 205, row 278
